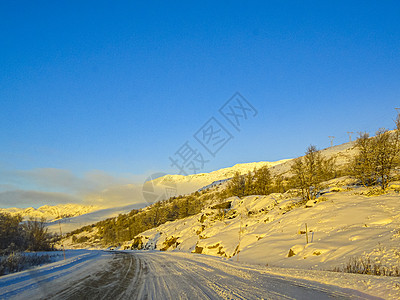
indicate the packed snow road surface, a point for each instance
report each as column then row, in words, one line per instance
column 160, row 275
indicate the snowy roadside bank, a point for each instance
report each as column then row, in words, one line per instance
column 37, row 277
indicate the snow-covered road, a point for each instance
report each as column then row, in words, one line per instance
column 160, row 275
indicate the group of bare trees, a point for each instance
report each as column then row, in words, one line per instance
column 373, row 164
column 15, row 235
column 258, row 182
column 377, row 157
column 310, row 171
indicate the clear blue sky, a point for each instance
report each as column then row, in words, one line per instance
column 120, row 86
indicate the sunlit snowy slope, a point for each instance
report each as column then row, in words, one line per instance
column 183, row 185
column 344, row 223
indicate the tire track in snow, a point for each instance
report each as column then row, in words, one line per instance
column 224, row 280
column 110, row 283
column 160, row 275
column 166, row 281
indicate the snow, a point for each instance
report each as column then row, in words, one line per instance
column 343, row 223
column 257, row 237
column 179, row 275
column 13, row 285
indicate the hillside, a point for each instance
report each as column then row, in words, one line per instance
column 341, row 153
column 209, row 183
column 346, row 227
column 183, row 185
column 191, row 183
column 342, row 224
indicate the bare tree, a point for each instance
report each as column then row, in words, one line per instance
column 263, row 181
column 377, row 157
column 237, row 185
column 249, row 184
column 387, row 149
column 310, row 170
column 363, row 162
column 11, row 234
column 37, row 234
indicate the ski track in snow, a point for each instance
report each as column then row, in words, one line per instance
column 160, row 275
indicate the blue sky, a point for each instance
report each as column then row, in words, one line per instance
column 116, row 88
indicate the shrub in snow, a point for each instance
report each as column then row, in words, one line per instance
column 170, row 242
column 291, row 253
column 137, row 243
column 16, row 262
column 361, row 265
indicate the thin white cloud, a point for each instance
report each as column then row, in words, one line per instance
column 117, row 195
column 26, row 198
column 51, row 179
column 52, row 186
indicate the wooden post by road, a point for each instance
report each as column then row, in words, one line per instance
column 306, row 234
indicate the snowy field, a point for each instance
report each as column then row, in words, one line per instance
column 178, row 275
